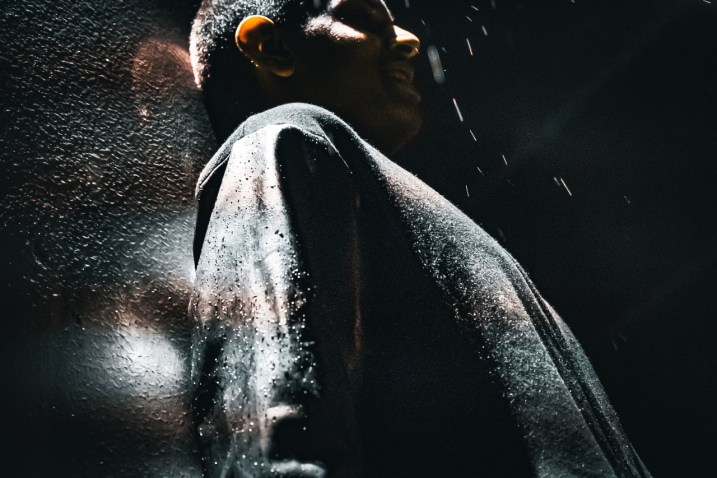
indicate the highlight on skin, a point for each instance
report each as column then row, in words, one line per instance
column 349, row 58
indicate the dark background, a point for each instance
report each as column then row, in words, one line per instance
column 605, row 112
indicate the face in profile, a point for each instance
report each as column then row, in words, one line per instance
column 350, row 59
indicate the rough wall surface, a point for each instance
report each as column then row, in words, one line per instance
column 103, row 135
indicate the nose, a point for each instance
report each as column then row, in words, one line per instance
column 405, row 42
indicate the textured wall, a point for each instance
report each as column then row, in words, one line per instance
column 103, row 136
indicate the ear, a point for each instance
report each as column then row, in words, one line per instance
column 262, row 42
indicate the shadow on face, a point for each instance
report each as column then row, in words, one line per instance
column 351, row 59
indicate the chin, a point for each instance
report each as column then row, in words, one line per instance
column 400, row 127
column 388, row 126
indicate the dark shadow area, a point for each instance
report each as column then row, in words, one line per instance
column 587, row 147
column 594, row 165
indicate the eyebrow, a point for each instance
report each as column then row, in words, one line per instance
column 373, row 3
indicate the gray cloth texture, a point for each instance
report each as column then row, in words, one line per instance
column 449, row 360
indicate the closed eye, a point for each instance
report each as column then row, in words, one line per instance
column 363, row 15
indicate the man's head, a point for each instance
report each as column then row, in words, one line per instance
column 343, row 55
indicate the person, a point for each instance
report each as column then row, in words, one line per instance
column 351, row 321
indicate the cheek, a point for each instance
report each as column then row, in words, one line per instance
column 344, row 34
column 338, row 51
column 337, row 32
column 349, row 68
column 359, row 63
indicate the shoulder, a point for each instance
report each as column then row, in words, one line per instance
column 307, row 117
column 310, row 120
column 255, row 143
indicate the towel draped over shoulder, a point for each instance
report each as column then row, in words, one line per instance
column 320, row 258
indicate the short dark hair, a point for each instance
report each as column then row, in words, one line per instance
column 225, row 76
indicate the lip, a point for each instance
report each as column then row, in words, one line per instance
column 401, row 72
column 399, row 80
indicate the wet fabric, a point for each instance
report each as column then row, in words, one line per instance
column 434, row 351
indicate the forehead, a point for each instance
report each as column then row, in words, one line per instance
column 372, row 4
